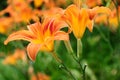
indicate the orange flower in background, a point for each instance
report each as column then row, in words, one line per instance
column 53, row 12
column 40, row 36
column 17, row 5
column 49, row 3
column 101, row 19
column 93, row 3
column 112, row 19
column 20, row 11
column 79, row 19
column 40, row 76
column 13, row 58
column 5, row 24
column 27, row 14
column 37, row 3
column 113, row 23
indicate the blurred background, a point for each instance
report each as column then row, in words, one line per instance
column 101, row 48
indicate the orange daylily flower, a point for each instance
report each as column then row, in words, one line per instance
column 40, row 36
column 79, row 19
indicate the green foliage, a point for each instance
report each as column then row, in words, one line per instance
column 8, row 72
column 103, row 61
column 101, row 52
column 3, row 4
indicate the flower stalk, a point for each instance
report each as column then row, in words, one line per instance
column 68, row 46
column 70, row 50
column 79, row 48
column 63, row 65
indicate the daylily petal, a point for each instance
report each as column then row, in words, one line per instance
column 53, row 25
column 23, row 34
column 60, row 35
column 97, row 10
column 37, row 31
column 94, row 12
column 58, row 25
column 83, row 19
column 37, row 3
column 32, row 50
column 71, row 16
column 90, row 25
column 47, row 23
column 59, row 22
column 77, row 19
column 48, row 46
column 104, row 10
column 35, row 28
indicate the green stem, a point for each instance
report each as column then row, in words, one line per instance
column 68, row 71
column 79, row 48
column 108, row 3
column 56, row 57
column 88, row 71
column 70, row 50
column 69, row 47
column 82, row 69
column 57, row 44
column 84, row 76
column 63, row 65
